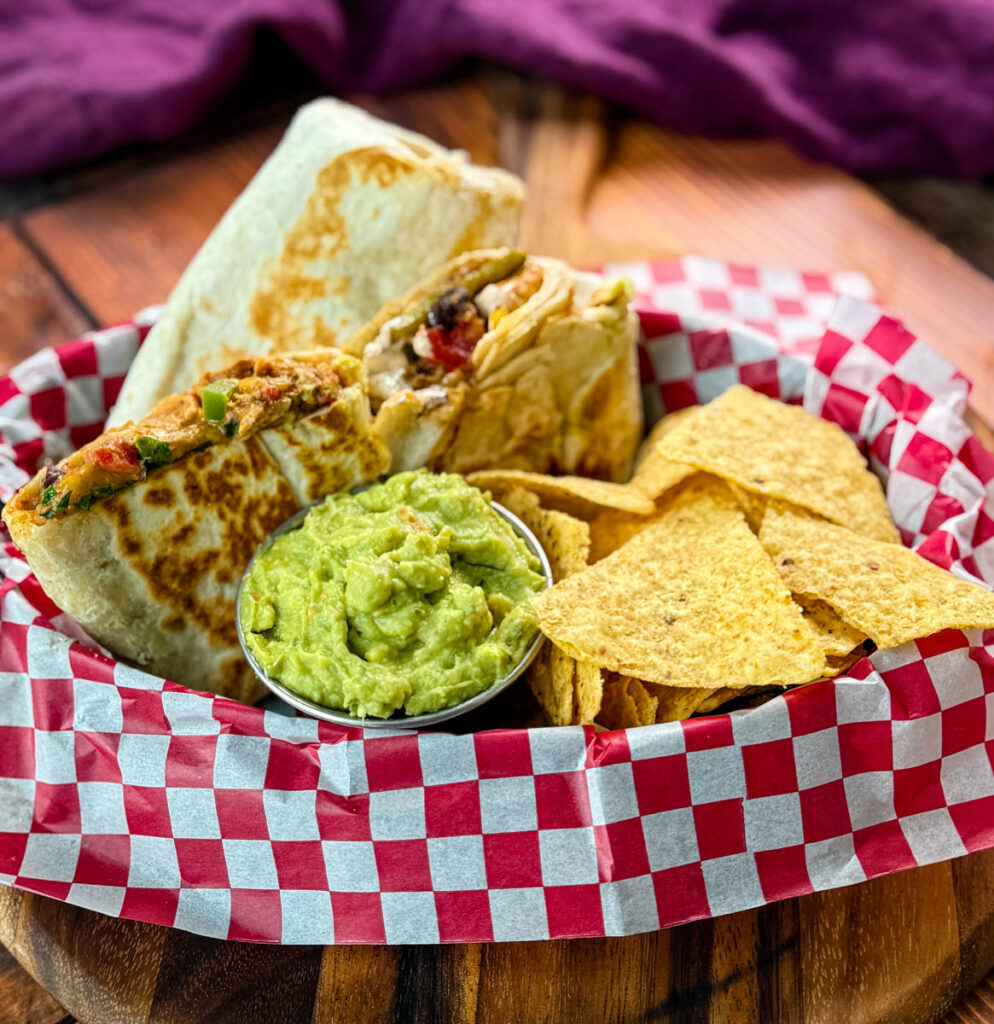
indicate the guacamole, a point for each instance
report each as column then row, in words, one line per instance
column 413, row 594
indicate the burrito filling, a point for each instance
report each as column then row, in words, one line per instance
column 420, row 349
column 251, row 395
column 413, row 594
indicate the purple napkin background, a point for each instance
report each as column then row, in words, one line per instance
column 871, row 85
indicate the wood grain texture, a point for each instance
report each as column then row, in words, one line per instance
column 35, row 309
column 22, row 1000
column 123, row 244
column 895, row 949
column 884, row 951
column 976, row 1008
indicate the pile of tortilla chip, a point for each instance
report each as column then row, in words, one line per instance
column 751, row 551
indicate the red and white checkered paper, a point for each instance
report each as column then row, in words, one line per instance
column 137, row 797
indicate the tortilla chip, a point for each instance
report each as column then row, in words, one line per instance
column 654, row 472
column 691, row 601
column 837, row 637
column 589, row 682
column 645, row 702
column 576, row 495
column 611, row 529
column 752, row 504
column 885, row 590
column 566, row 540
column 552, row 675
column 627, row 704
column 839, row 666
column 781, row 451
column 675, row 703
column 722, row 696
column 551, row 678
column 659, row 430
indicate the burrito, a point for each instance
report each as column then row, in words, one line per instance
column 347, row 212
column 142, row 535
column 505, row 360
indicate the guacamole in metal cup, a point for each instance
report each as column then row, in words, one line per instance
column 413, row 594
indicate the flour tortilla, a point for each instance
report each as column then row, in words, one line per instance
column 552, row 387
column 348, row 212
column 152, row 571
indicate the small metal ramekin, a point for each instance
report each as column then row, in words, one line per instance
column 398, row 720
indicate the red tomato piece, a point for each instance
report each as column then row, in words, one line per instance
column 116, row 456
column 452, row 349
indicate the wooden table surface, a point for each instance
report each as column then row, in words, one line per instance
column 90, row 247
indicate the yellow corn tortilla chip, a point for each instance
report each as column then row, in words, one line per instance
column 885, row 590
column 723, row 695
column 659, row 430
column 552, row 675
column 626, row 703
column 654, row 472
column 837, row 666
column 781, row 451
column 838, row 639
column 589, row 693
column 576, row 495
column 645, row 703
column 551, row 678
column 566, row 540
column 752, row 504
column 611, row 529
column 691, row 601
column 675, row 703
column 618, row 710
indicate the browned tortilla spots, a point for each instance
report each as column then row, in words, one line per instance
column 160, row 496
column 296, row 277
column 118, row 511
column 329, row 451
column 184, row 533
column 238, row 679
column 235, row 499
column 169, row 549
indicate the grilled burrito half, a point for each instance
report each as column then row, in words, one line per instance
column 348, row 212
column 505, row 360
column 142, row 535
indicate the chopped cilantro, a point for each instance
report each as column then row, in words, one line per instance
column 64, row 503
column 100, row 491
column 48, row 495
column 152, row 452
column 230, row 428
column 48, row 514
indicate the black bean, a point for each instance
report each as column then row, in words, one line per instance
column 448, row 307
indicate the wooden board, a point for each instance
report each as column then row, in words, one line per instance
column 901, row 948
column 891, row 950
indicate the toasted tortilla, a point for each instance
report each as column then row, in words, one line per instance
column 551, row 387
column 348, row 212
column 151, row 572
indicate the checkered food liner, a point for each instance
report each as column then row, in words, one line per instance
column 134, row 796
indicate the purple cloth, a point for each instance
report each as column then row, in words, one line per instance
column 872, row 85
